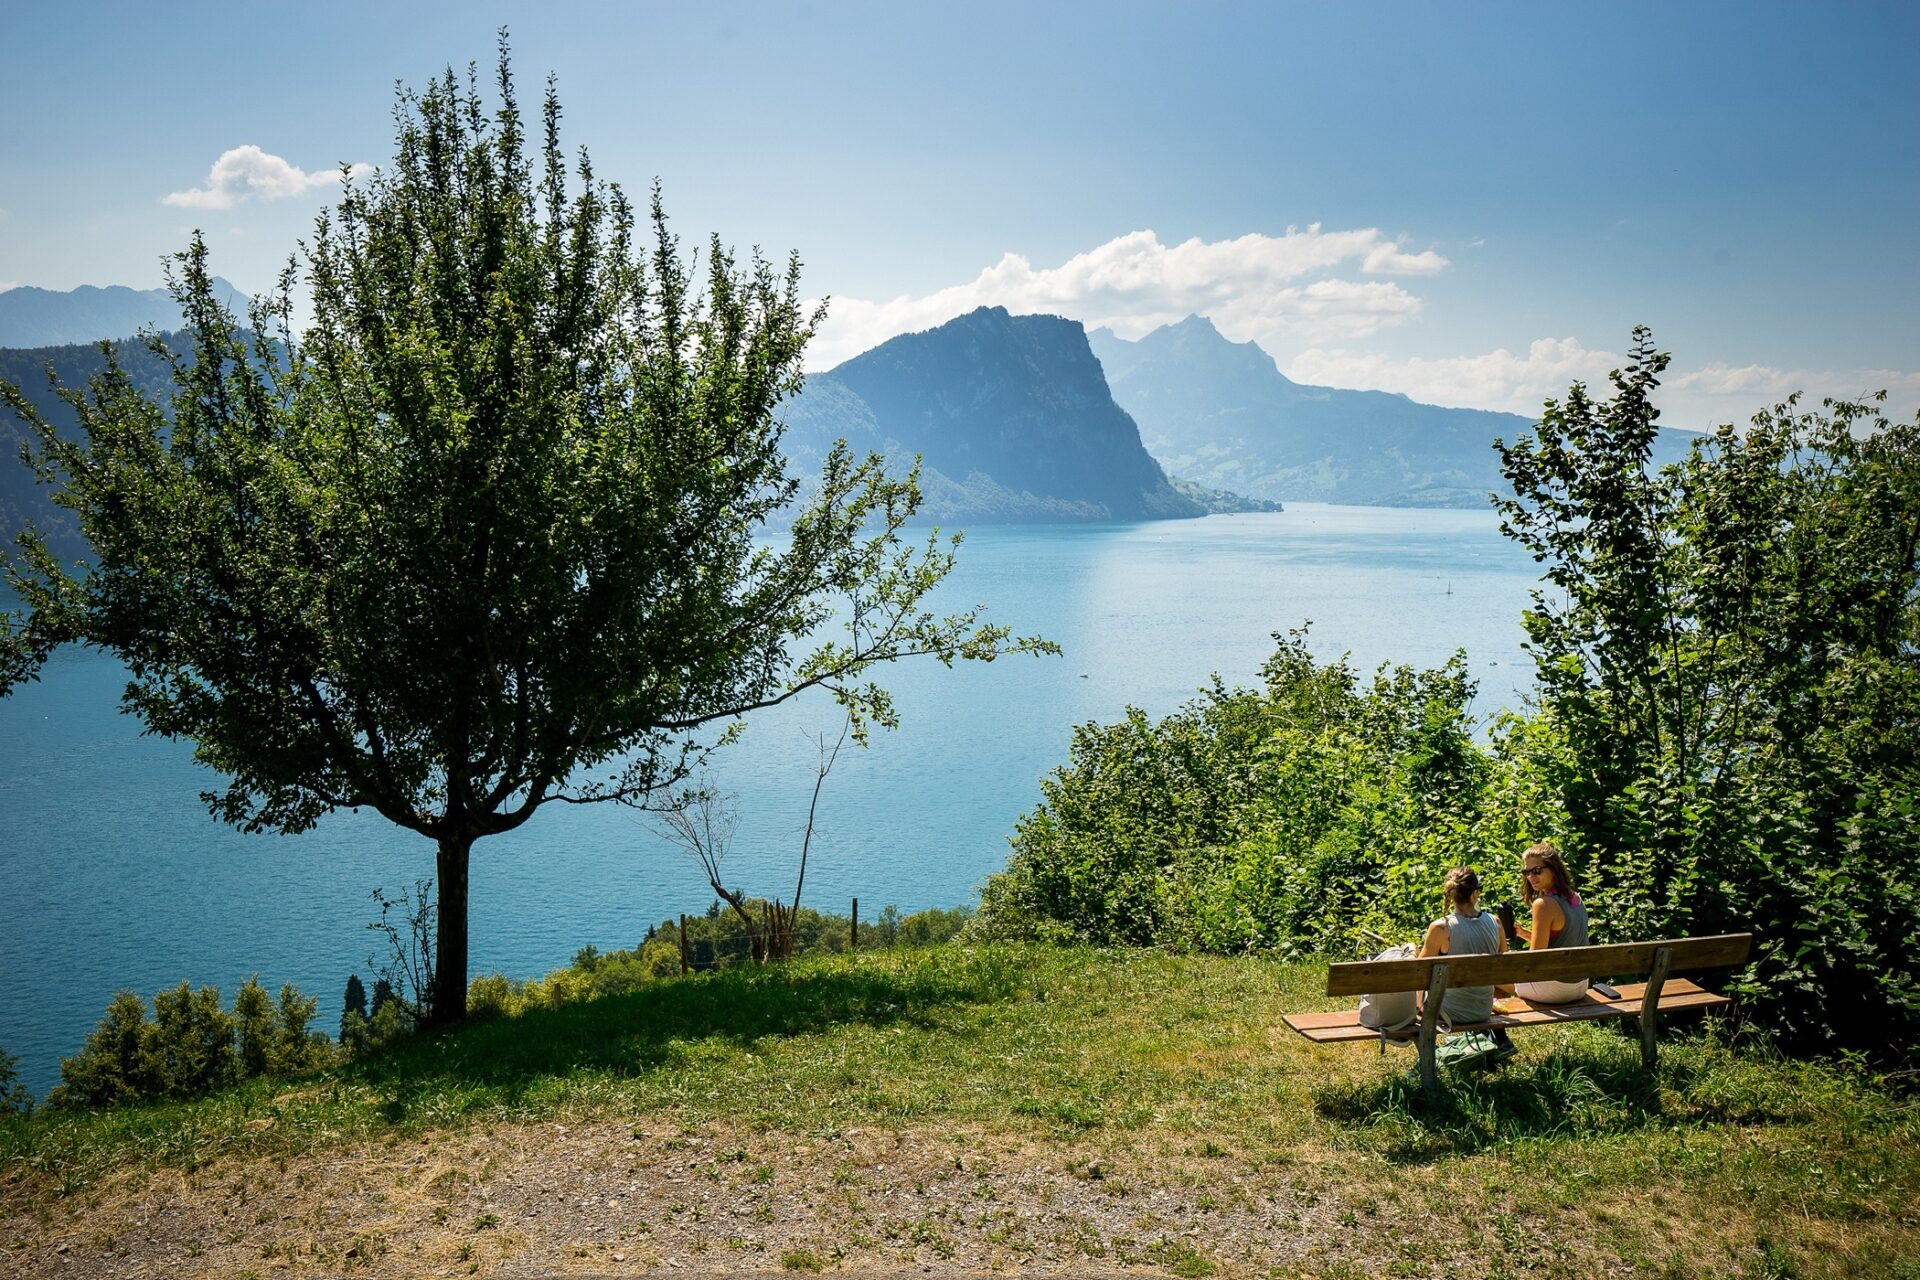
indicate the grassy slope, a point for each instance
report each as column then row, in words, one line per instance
column 1730, row 1161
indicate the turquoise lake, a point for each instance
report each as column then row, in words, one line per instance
column 115, row 877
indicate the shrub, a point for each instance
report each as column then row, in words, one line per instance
column 253, row 1023
column 189, row 1046
column 1727, row 736
column 1315, row 815
column 110, row 1068
column 353, row 1004
column 295, row 1047
column 14, row 1096
column 491, row 995
column 1728, row 652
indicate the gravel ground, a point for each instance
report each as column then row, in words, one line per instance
column 607, row 1199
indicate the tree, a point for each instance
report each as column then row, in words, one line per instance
column 701, row 821
column 15, row 1098
column 1731, row 649
column 1314, row 816
column 498, row 531
column 353, row 1004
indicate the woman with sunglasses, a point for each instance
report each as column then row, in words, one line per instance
column 1559, row 919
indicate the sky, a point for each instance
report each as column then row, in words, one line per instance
column 1469, row 204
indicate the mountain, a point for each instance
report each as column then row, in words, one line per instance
column 1221, row 413
column 32, row 317
column 21, row 496
column 1011, row 417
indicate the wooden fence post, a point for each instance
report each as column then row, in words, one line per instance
column 683, row 944
column 853, row 933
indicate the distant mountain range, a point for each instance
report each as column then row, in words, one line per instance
column 1017, row 419
column 1222, row 414
column 32, row 317
column 1011, row 417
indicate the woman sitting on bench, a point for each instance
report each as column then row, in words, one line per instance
column 1559, row 919
column 1466, row 930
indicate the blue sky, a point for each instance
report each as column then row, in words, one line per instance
column 1471, row 204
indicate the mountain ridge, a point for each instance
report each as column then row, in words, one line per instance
column 1011, row 417
column 1221, row 413
column 32, row 317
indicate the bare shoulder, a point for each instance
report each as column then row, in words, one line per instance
column 1548, row 908
column 1435, row 943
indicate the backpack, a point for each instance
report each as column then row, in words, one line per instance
column 1386, row 1011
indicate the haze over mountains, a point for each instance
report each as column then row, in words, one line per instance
column 1221, row 413
column 32, row 317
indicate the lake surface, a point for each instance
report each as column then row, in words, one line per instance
column 115, row 878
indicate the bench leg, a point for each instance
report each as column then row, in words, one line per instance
column 1429, row 1026
column 1650, row 1007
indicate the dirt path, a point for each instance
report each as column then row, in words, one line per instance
column 606, row 1199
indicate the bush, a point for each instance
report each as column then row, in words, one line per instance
column 714, row 940
column 190, row 1045
column 1313, row 816
column 1727, row 737
column 15, row 1100
column 1729, row 653
column 353, row 1005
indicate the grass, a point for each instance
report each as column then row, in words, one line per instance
column 1730, row 1160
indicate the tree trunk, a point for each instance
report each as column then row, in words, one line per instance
column 450, row 944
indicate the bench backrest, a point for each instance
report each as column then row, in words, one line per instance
column 1564, row 964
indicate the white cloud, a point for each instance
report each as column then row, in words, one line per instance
column 1387, row 260
column 8, row 284
column 248, row 171
column 1520, row 383
column 1499, row 379
column 1256, row 287
column 1757, row 385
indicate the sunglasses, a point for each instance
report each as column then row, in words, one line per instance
column 1531, row 872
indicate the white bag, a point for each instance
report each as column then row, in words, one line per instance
column 1391, row 1010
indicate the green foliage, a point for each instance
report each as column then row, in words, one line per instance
column 1730, row 651
column 714, row 941
column 1315, row 815
column 1135, row 1070
column 388, row 1020
column 15, row 1098
column 493, row 531
column 408, row 924
column 1727, row 736
column 253, row 1025
column 353, row 1004
column 190, row 1045
column 295, row 1046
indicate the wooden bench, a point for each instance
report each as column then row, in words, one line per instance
column 1644, row 1001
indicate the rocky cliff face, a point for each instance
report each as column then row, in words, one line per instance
column 1011, row 416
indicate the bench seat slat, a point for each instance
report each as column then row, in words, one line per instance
column 1359, row 977
column 1678, row 995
